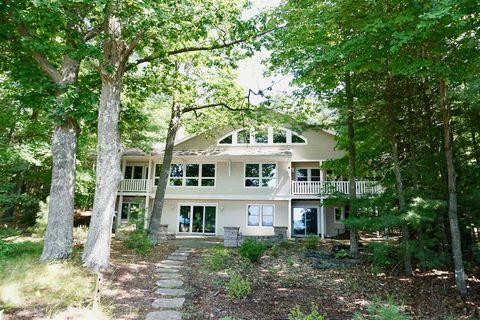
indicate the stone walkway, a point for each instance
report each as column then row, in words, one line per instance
column 169, row 287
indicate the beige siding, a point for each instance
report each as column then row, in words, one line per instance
column 333, row 228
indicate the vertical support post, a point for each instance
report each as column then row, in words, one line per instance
column 322, row 218
column 120, row 198
column 147, row 195
column 289, row 227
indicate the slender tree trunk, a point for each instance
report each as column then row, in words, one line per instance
column 452, row 192
column 165, row 171
column 352, row 190
column 96, row 254
column 398, row 174
column 59, row 233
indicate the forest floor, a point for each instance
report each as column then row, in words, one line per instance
column 288, row 278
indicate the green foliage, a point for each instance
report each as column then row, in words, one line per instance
column 383, row 255
column 17, row 250
column 342, row 254
column 252, row 249
column 42, row 219
column 310, row 242
column 238, row 287
column 275, row 251
column 80, row 234
column 297, row 314
column 216, row 259
column 379, row 310
column 139, row 242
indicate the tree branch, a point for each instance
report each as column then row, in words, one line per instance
column 201, row 48
column 93, row 32
column 212, row 105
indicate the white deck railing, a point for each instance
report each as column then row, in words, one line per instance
column 134, row 185
column 329, row 187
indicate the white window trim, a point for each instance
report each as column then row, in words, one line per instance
column 342, row 216
column 270, row 142
column 136, row 164
column 191, row 205
column 200, row 177
column 260, row 177
column 309, row 173
column 261, row 215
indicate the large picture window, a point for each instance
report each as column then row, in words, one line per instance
column 260, row 215
column 260, row 175
column 192, row 175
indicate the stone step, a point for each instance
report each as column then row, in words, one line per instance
column 186, row 250
column 169, row 275
column 170, row 292
column 171, row 263
column 177, row 258
column 164, row 315
column 168, row 269
column 168, row 303
column 169, row 283
column 180, row 254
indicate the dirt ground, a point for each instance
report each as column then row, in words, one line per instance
column 280, row 283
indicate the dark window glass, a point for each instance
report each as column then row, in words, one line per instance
column 191, row 182
column 193, row 170
column 252, row 182
column 280, row 136
column 128, row 172
column 137, row 172
column 176, row 170
column 227, row 140
column 243, row 136
column 268, row 170
column 208, row 170
column 252, row 170
column 297, row 139
column 261, row 137
column 208, row 182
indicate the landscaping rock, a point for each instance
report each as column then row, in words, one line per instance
column 177, row 258
column 182, row 254
column 168, row 303
column 169, row 275
column 168, row 269
column 170, row 292
column 170, row 283
column 171, row 263
column 164, row 315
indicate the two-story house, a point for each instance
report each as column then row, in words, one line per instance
column 254, row 181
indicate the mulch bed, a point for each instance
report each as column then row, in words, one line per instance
column 280, row 283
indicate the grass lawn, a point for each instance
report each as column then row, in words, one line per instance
column 286, row 277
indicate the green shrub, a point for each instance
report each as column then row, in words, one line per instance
column 383, row 311
column 139, row 242
column 252, row 249
column 80, row 234
column 297, row 314
column 310, row 242
column 238, row 287
column 383, row 256
column 291, row 261
column 216, row 259
column 12, row 250
column 275, row 251
column 342, row 254
column 40, row 226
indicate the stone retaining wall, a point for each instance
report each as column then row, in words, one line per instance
column 233, row 238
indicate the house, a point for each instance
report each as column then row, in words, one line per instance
column 253, row 181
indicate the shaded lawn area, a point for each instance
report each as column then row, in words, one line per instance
column 280, row 283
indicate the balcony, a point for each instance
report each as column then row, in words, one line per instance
column 135, row 185
column 330, row 187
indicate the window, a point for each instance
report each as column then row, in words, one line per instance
column 339, row 214
column 261, row 137
column 130, row 210
column 297, row 139
column 243, row 136
column 135, row 172
column 227, row 140
column 158, row 168
column 280, row 136
column 260, row 175
column 260, row 215
column 308, row 174
column 192, row 175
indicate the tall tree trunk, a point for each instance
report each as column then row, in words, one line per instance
column 352, row 190
column 96, row 254
column 398, row 174
column 59, row 233
column 164, row 173
column 452, row 192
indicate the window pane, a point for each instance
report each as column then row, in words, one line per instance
column 338, row 214
column 184, row 219
column 191, row 182
column 302, row 174
column 280, row 136
column 269, row 182
column 252, row 170
column 208, row 170
column 297, row 139
column 252, row 182
column 227, row 140
column 197, row 219
column 267, row 216
column 315, row 174
column 128, row 172
column 254, row 215
column 208, row 182
column 158, row 168
column 137, row 172
column 176, row 170
column 176, row 182
column 124, row 213
column 209, row 220
column 193, row 170
column 261, row 137
column 243, row 136
column 268, row 170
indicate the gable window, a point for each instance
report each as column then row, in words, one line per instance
column 227, row 140
column 297, row 139
column 261, row 137
column 260, row 175
column 279, row 136
column 260, row 215
column 243, row 136
column 339, row 214
column 192, row 175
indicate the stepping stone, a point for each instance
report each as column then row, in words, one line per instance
column 184, row 250
column 169, row 275
column 168, row 303
column 172, row 263
column 167, row 270
column 164, row 315
column 170, row 292
column 177, row 258
column 169, row 283
column 180, row 254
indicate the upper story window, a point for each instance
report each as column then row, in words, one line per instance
column 192, row 175
column 260, row 175
column 270, row 136
column 136, row 172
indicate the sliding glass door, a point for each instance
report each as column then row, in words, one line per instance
column 197, row 219
column 305, row 221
